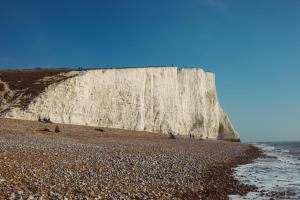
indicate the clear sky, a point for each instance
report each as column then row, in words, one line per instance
column 253, row 46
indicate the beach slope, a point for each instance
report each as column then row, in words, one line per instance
column 81, row 161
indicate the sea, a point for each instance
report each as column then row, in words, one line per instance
column 277, row 175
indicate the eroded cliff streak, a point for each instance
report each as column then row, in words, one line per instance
column 156, row 99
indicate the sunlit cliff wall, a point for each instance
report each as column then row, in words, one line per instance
column 156, row 99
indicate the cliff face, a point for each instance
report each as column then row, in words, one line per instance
column 156, row 99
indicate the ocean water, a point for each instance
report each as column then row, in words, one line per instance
column 279, row 172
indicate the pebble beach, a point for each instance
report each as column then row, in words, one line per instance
column 81, row 162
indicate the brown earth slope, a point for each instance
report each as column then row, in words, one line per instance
column 19, row 87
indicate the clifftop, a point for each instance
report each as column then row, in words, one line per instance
column 19, row 87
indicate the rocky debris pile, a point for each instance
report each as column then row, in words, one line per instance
column 171, row 135
column 99, row 129
column 44, row 120
column 57, row 129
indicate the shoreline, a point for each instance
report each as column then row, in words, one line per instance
column 273, row 173
column 82, row 162
column 221, row 180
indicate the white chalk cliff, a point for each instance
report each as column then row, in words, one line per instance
column 157, row 99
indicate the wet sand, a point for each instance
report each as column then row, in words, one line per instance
column 83, row 163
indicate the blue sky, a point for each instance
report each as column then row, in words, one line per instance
column 253, row 46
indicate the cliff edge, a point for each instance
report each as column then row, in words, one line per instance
column 156, row 99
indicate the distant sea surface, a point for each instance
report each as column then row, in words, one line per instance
column 277, row 175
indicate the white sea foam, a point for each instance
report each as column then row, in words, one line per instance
column 280, row 172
